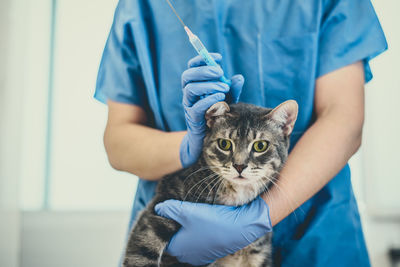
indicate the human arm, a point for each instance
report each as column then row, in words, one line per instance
column 133, row 147
column 327, row 145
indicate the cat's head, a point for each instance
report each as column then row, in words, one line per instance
column 247, row 145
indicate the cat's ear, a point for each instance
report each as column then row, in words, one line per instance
column 215, row 111
column 285, row 115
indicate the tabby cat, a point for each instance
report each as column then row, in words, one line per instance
column 244, row 149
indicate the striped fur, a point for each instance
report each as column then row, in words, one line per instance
column 213, row 179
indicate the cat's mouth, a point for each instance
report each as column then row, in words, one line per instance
column 240, row 179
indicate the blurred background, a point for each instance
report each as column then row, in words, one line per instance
column 61, row 204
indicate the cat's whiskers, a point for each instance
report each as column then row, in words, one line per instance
column 212, row 181
column 289, row 201
column 200, row 169
column 286, row 179
column 267, row 193
column 274, row 179
column 211, row 178
column 216, row 192
column 199, row 182
column 216, row 183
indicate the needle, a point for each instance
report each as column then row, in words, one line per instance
column 173, row 9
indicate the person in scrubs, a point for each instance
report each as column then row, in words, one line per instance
column 316, row 52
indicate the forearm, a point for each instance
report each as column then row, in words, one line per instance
column 317, row 157
column 143, row 151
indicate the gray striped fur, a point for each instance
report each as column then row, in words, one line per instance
column 243, row 124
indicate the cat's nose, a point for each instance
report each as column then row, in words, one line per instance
column 239, row 168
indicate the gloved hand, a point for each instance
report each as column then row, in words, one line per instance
column 201, row 90
column 210, row 232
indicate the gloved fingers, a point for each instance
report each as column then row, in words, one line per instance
column 178, row 243
column 193, row 91
column 202, row 73
column 199, row 61
column 172, row 248
column 198, row 110
column 170, row 209
column 236, row 88
column 194, row 260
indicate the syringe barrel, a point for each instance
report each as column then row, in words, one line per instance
column 203, row 52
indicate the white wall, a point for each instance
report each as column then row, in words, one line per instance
column 11, row 93
column 34, row 103
column 81, row 177
column 71, row 232
column 378, row 180
column 382, row 125
column 69, row 121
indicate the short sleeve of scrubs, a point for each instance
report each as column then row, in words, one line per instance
column 120, row 78
column 350, row 32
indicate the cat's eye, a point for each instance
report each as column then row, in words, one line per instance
column 224, row 144
column 260, row 146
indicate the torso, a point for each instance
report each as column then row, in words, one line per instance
column 274, row 44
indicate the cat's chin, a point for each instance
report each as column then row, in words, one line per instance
column 238, row 191
column 241, row 180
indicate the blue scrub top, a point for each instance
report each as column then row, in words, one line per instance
column 281, row 47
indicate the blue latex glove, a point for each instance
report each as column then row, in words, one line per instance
column 210, row 232
column 201, row 90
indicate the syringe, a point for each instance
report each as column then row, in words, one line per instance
column 203, row 52
column 198, row 45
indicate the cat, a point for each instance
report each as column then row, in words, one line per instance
column 244, row 150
